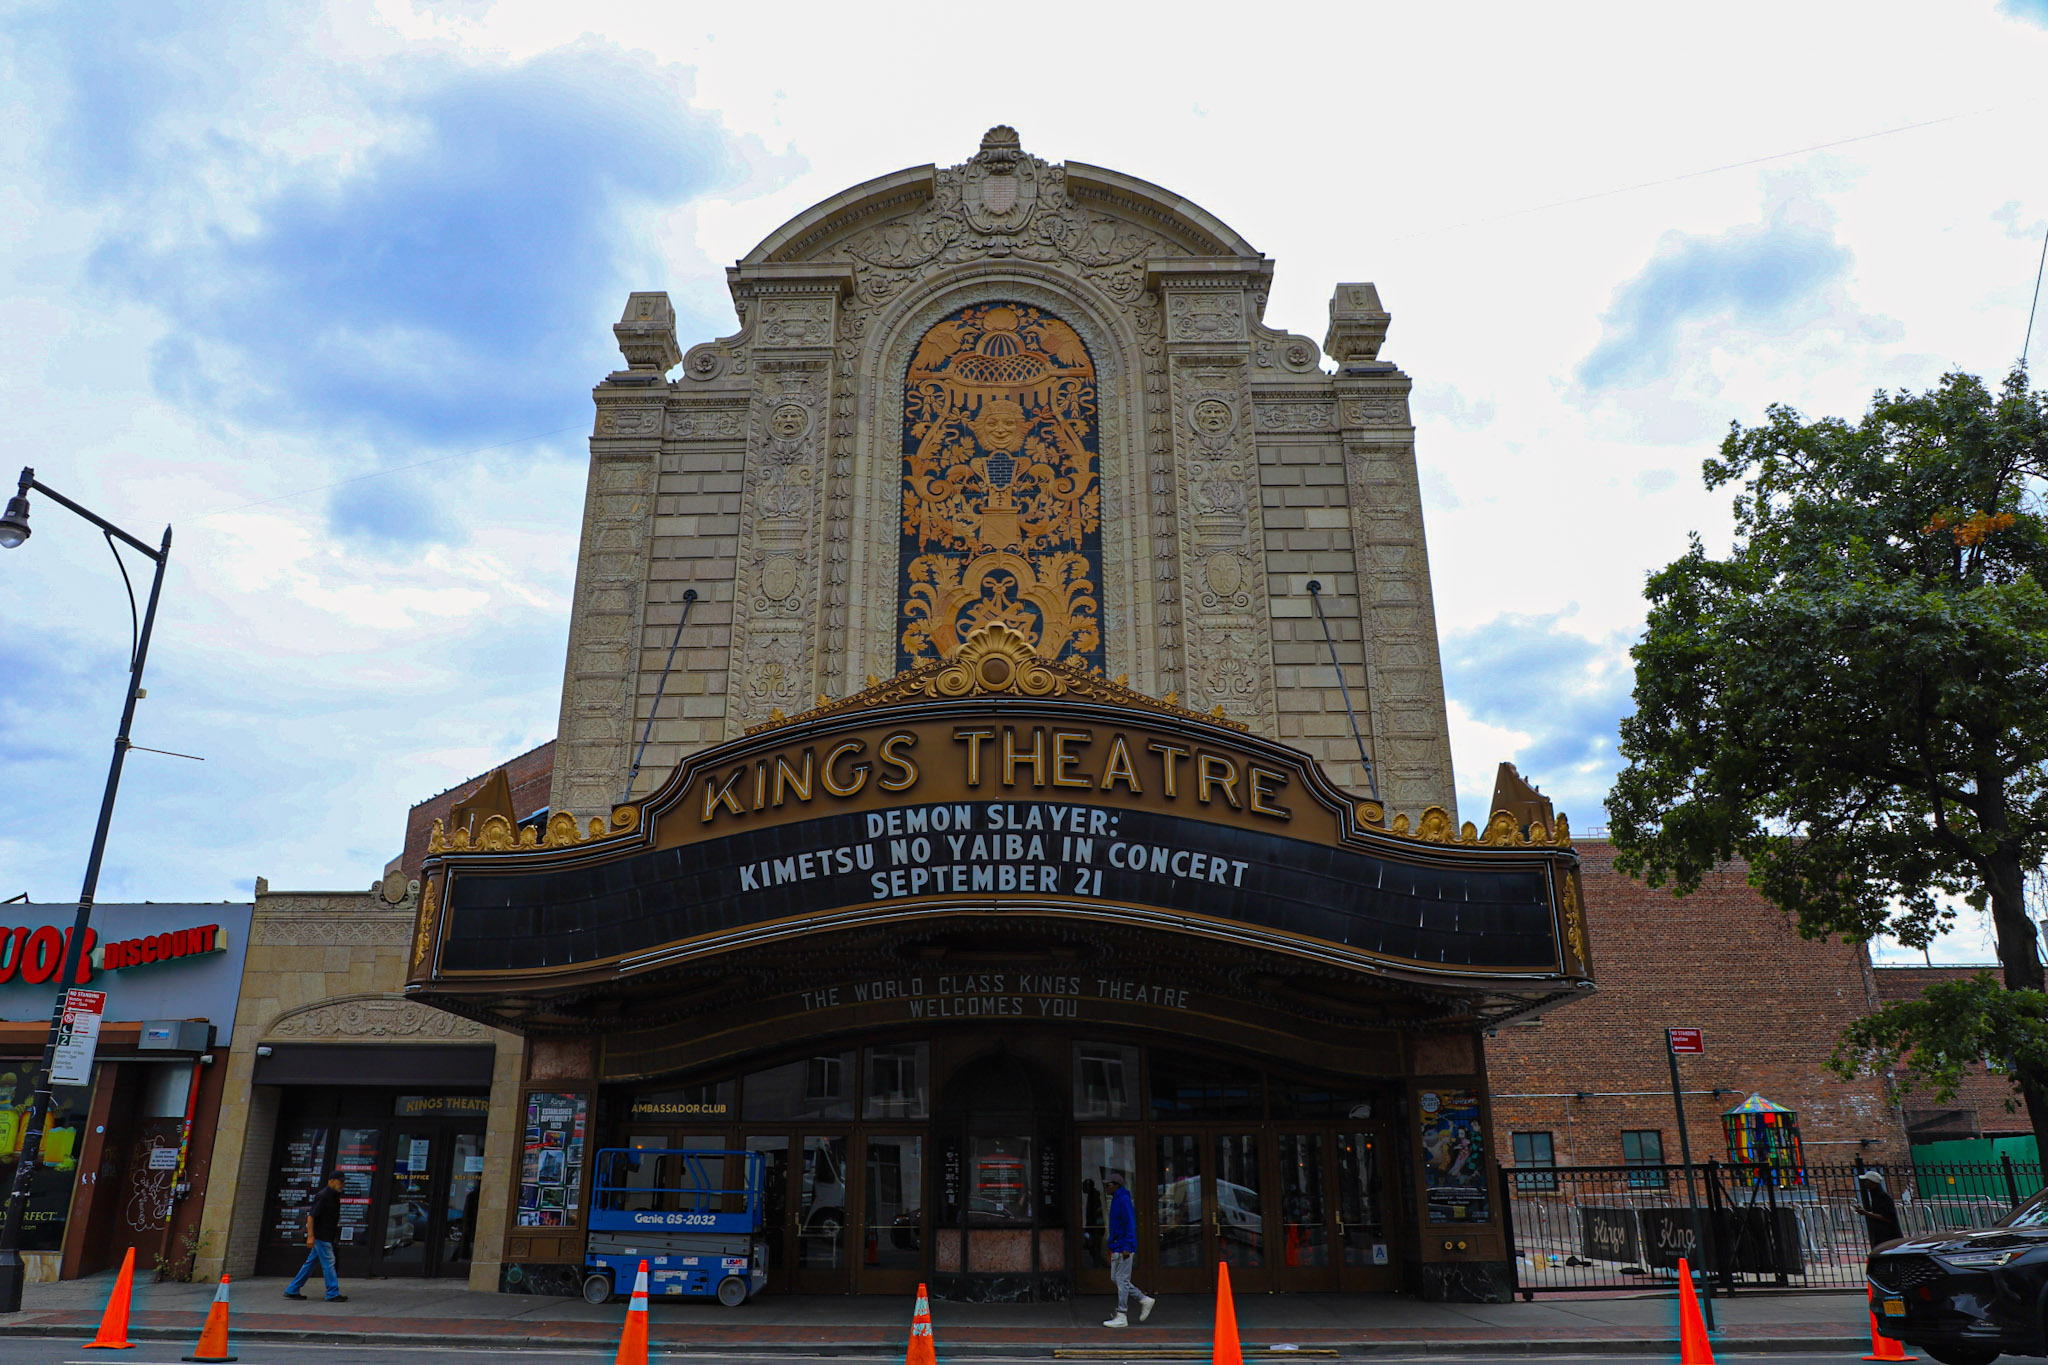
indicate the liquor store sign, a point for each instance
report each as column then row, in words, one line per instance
column 1036, row 804
column 151, row 961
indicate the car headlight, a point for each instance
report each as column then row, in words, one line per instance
column 1977, row 1260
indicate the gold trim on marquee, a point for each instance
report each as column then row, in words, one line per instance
column 998, row 661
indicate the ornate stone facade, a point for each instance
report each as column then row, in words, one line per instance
column 1228, row 468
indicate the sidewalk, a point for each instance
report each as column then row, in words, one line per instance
column 412, row 1312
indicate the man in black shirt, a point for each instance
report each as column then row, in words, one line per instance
column 323, row 1230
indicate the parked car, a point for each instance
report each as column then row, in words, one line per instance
column 1968, row 1297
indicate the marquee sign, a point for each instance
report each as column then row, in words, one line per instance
column 998, row 783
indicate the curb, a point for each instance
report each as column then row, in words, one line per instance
column 1193, row 1350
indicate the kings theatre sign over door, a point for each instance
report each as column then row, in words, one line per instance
column 998, row 783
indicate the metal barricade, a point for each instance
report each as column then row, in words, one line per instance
column 1579, row 1228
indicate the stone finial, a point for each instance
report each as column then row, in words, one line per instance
column 1358, row 325
column 1000, row 147
column 647, row 333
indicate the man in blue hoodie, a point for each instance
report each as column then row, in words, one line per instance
column 1122, row 1244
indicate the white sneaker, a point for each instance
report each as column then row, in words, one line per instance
column 1118, row 1321
column 1145, row 1307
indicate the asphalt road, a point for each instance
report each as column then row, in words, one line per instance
column 39, row 1352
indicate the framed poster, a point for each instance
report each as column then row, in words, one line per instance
column 551, row 1162
column 1453, row 1156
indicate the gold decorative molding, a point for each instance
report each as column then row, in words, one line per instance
column 999, row 661
column 1574, row 916
column 428, row 907
column 1434, row 827
column 499, row 835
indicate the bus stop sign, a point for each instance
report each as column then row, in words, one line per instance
column 1686, row 1040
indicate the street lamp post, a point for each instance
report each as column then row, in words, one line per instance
column 14, row 530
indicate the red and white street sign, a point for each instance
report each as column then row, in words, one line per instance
column 1686, row 1040
column 78, row 1037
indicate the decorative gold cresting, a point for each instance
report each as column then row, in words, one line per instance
column 1434, row 827
column 498, row 835
column 996, row 660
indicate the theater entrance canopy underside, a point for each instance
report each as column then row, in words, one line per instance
column 995, row 838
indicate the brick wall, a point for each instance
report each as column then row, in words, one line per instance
column 531, row 773
column 1982, row 1097
column 1723, row 960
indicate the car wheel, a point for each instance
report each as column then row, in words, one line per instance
column 1962, row 1355
column 732, row 1291
column 597, row 1288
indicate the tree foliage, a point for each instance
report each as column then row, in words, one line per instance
column 1950, row 1028
column 1854, row 699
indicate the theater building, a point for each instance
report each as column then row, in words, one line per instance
column 1002, row 747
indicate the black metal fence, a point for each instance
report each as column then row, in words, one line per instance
column 1625, row 1227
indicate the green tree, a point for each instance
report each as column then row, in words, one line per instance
column 1855, row 701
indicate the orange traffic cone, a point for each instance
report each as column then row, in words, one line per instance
column 1227, row 1352
column 1693, row 1346
column 114, row 1322
column 633, row 1341
column 924, row 1348
column 1883, row 1347
column 213, row 1338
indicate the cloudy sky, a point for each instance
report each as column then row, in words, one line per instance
column 327, row 288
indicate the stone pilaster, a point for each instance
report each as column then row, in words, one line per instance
column 1210, row 305
column 777, row 592
column 593, row 741
column 1404, row 672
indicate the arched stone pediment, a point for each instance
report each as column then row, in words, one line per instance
column 371, row 1016
column 1074, row 209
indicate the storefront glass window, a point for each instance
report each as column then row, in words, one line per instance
column 304, row 1151
column 1185, row 1087
column 897, row 1086
column 1105, row 1081
column 357, row 1162
column 49, row 1196
column 814, row 1088
column 409, row 1209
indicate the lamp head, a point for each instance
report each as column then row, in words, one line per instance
column 14, row 525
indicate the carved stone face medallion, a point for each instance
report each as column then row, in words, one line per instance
column 1213, row 417
column 789, row 421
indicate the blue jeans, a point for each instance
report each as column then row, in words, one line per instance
column 322, row 1255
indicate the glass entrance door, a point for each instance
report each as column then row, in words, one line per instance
column 458, row 1204
column 895, row 1227
column 821, row 1206
column 1365, row 1254
column 1210, row 1205
column 1302, row 1259
column 407, row 1231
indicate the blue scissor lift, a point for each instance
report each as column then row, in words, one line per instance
column 673, row 1208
